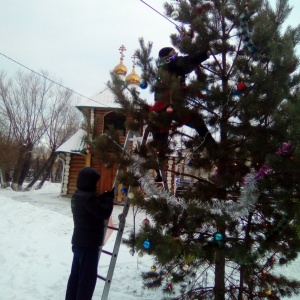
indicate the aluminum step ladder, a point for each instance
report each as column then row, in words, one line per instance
column 114, row 253
column 119, row 229
column 131, row 135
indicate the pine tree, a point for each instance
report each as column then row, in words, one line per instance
column 227, row 236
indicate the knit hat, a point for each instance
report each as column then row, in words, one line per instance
column 87, row 179
column 165, row 51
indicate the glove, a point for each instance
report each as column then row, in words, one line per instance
column 110, row 194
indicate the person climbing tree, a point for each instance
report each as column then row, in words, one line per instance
column 177, row 67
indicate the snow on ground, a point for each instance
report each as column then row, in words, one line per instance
column 35, row 250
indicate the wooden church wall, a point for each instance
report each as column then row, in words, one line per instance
column 76, row 164
column 107, row 175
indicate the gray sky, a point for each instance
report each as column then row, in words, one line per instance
column 77, row 41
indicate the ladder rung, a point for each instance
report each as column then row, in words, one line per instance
column 107, row 252
column 114, row 228
column 118, row 203
column 101, row 277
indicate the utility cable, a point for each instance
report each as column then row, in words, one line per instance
column 39, row 74
column 178, row 28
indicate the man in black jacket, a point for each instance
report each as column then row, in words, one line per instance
column 89, row 214
column 180, row 67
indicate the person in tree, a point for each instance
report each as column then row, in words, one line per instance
column 89, row 210
column 179, row 67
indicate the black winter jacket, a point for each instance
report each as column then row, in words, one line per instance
column 178, row 66
column 89, row 213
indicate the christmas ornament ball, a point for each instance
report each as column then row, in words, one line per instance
column 185, row 267
column 123, row 190
column 268, row 291
column 282, row 261
column 218, row 237
column 153, row 268
column 130, row 195
column 143, row 85
column 141, row 254
column 241, row 86
column 169, row 110
column 146, row 244
column 146, row 221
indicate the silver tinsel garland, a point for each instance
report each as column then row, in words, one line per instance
column 245, row 203
column 150, row 188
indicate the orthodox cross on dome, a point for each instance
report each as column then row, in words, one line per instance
column 122, row 49
column 134, row 56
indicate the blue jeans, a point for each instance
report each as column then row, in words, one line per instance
column 83, row 277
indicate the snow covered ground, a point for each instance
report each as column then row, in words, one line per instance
column 35, row 250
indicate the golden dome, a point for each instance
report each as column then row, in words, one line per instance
column 133, row 78
column 120, row 69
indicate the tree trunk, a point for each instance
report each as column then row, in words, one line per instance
column 243, row 267
column 21, row 166
column 18, row 170
column 47, row 171
column 43, row 169
column 219, row 288
column 25, row 168
column 5, row 178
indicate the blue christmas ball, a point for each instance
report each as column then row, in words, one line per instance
column 189, row 164
column 146, row 244
column 123, row 190
column 218, row 237
column 143, row 85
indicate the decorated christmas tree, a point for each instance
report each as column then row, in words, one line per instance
column 226, row 102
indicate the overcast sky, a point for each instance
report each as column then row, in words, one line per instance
column 77, row 41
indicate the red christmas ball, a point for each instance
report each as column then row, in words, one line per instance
column 146, row 221
column 241, row 86
column 169, row 110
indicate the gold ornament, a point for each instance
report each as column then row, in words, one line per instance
column 268, row 291
column 153, row 268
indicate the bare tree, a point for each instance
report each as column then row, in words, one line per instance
column 36, row 111
column 7, row 150
column 24, row 100
column 62, row 120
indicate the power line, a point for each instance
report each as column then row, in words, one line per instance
column 178, row 28
column 39, row 74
